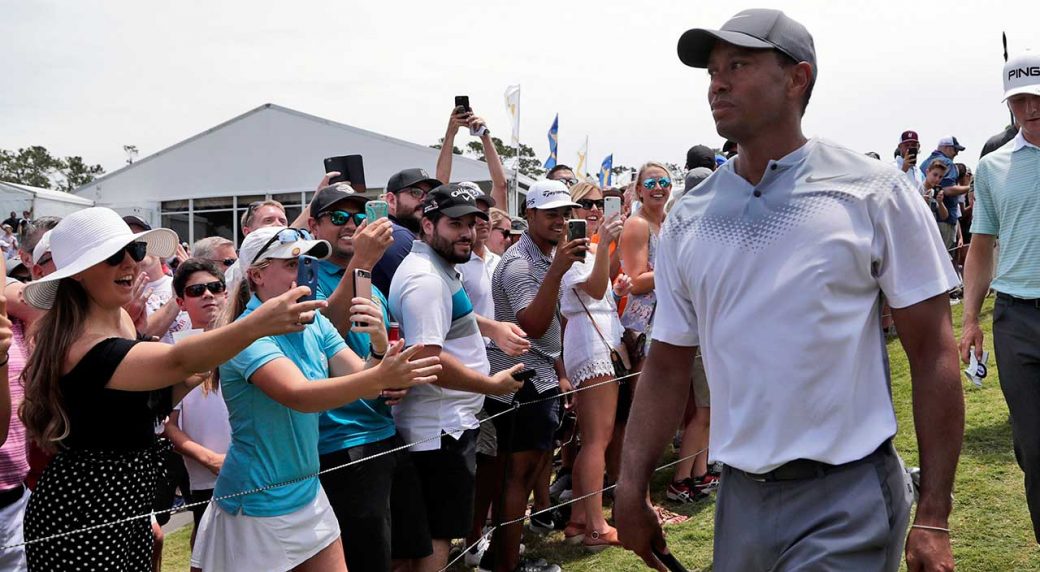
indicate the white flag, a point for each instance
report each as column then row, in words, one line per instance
column 513, row 106
column 582, row 153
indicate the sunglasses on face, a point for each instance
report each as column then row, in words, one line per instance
column 663, row 182
column 416, row 193
column 588, row 204
column 569, row 181
column 227, row 262
column 136, row 250
column 44, row 261
column 340, row 218
column 283, row 237
column 504, row 231
column 196, row 290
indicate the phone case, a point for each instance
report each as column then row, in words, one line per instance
column 307, row 275
column 375, row 210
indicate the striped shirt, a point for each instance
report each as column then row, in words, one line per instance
column 514, row 286
column 1007, row 205
column 14, row 463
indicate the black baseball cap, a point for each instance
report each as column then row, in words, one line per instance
column 132, row 220
column 700, row 156
column 409, row 178
column 479, row 193
column 452, row 200
column 332, row 194
column 758, row 28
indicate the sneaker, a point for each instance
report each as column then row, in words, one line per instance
column 684, row 491
column 561, row 484
column 473, row 555
column 541, row 524
column 706, row 483
column 539, row 565
column 715, row 469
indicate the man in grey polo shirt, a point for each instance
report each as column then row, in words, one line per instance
column 774, row 266
column 427, row 296
column 1007, row 206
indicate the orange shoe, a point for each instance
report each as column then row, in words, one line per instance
column 599, row 541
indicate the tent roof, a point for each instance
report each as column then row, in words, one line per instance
column 48, row 194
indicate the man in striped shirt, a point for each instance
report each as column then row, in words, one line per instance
column 526, row 289
column 1007, row 206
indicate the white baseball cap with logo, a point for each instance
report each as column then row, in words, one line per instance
column 1022, row 74
column 42, row 247
column 548, row 194
column 279, row 242
column 88, row 237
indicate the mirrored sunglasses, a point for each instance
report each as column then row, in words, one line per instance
column 340, row 218
column 663, row 182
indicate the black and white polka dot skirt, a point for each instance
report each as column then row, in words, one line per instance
column 85, row 488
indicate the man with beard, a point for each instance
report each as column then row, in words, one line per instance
column 405, row 192
column 371, row 500
column 434, row 310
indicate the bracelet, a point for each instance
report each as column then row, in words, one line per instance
column 615, row 295
column 374, row 354
column 935, row 528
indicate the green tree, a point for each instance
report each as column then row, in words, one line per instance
column 440, row 143
column 36, row 167
column 529, row 163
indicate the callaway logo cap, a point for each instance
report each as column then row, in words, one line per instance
column 1022, row 74
column 546, row 194
column 452, row 200
column 951, row 142
column 332, row 194
column 409, row 178
column 758, row 28
column 479, row 193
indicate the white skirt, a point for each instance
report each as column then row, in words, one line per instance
column 585, row 356
column 227, row 542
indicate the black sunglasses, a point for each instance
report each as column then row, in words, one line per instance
column 587, row 204
column 340, row 218
column 227, row 262
column 136, row 250
column 196, row 290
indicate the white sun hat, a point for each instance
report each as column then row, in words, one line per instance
column 86, row 238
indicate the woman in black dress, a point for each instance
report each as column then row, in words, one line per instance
column 94, row 393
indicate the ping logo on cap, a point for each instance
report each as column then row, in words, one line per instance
column 1024, row 72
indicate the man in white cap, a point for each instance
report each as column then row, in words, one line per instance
column 1007, row 207
column 774, row 267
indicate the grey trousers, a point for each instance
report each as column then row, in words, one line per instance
column 853, row 518
column 1016, row 338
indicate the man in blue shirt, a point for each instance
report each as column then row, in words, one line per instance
column 946, row 150
column 405, row 192
column 361, row 494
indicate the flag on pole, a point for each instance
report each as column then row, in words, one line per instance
column 604, row 170
column 580, row 169
column 551, row 161
column 513, row 105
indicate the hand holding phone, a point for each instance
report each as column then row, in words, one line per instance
column 575, row 230
column 307, row 275
column 362, row 286
column 375, row 210
column 351, row 169
column 524, row 374
column 611, row 206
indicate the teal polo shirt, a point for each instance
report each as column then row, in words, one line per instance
column 363, row 421
column 1007, row 205
column 271, row 443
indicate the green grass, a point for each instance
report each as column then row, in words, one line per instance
column 990, row 521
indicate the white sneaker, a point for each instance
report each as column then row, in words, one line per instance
column 473, row 555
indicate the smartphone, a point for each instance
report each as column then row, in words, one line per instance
column 351, row 169
column 911, row 154
column 611, row 206
column 524, row 374
column 576, row 230
column 307, row 275
column 362, row 286
column 463, row 102
column 375, row 210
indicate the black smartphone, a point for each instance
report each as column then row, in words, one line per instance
column 668, row 560
column 911, row 154
column 524, row 374
column 307, row 275
column 576, row 230
column 351, row 169
column 463, row 102
column 362, row 286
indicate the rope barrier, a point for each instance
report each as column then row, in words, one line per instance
column 487, row 534
column 190, row 506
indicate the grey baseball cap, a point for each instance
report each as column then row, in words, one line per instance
column 758, row 28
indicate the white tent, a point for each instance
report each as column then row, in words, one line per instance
column 41, row 202
column 200, row 186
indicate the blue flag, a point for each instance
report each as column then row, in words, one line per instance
column 551, row 161
column 605, row 174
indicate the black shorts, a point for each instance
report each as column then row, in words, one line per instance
column 448, row 477
column 373, row 501
column 531, row 427
column 197, row 511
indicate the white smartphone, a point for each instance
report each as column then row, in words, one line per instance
column 611, row 205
